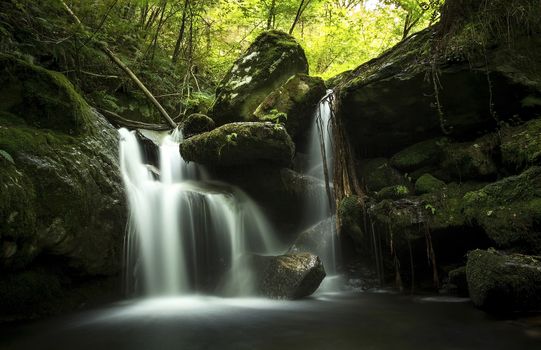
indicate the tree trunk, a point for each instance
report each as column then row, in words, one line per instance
column 181, row 31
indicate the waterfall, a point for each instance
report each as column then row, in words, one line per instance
column 320, row 156
column 187, row 234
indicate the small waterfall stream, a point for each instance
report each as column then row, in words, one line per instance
column 187, row 234
column 320, row 166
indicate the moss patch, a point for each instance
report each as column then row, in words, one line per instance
column 427, row 184
column 521, row 146
column 419, row 155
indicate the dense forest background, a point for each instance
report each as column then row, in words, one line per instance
column 181, row 49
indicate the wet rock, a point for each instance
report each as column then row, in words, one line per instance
column 240, row 143
column 196, row 124
column 378, row 173
column 290, row 276
column 509, row 211
column 427, row 184
column 316, row 239
column 293, row 104
column 458, row 282
column 504, row 283
column 267, row 64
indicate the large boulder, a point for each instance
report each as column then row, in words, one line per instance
column 293, row 104
column 317, row 239
column 290, row 276
column 268, row 63
column 196, row 123
column 240, row 143
column 378, row 173
column 521, row 145
column 446, row 80
column 61, row 198
column 504, row 283
column 471, row 160
column 509, row 211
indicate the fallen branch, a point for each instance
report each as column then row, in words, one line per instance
column 125, row 68
column 121, row 122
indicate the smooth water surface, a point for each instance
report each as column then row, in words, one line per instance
column 338, row 321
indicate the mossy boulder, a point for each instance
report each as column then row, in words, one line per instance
column 393, row 192
column 503, row 283
column 509, row 211
column 428, row 184
column 290, row 276
column 61, row 191
column 350, row 213
column 42, row 98
column 378, row 173
column 268, row 63
column 293, row 104
column 419, row 155
column 471, row 160
column 240, row 143
column 521, row 145
column 196, row 123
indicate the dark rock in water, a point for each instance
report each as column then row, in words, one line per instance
column 150, row 142
column 268, row 63
column 316, row 239
column 293, row 104
column 509, row 211
column 504, row 283
column 428, row 184
column 61, row 203
column 240, row 143
column 290, row 276
column 458, row 281
column 521, row 146
column 378, row 173
column 196, row 124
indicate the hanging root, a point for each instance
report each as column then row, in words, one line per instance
column 431, row 257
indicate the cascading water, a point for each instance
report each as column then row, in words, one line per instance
column 320, row 165
column 187, row 234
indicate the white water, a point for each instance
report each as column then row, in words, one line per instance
column 187, row 234
column 320, row 154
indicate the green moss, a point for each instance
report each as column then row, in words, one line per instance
column 350, row 215
column 43, row 98
column 393, row 192
column 504, row 283
column 377, row 174
column 428, row 184
column 240, row 143
column 521, row 146
column 419, row 155
column 509, row 210
column 471, row 160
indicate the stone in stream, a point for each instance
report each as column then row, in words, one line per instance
column 270, row 61
column 504, row 283
column 290, row 276
column 240, row 143
column 196, row 123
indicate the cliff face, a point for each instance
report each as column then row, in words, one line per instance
column 444, row 126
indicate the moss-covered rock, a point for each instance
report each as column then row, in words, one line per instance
column 42, row 98
column 471, row 160
column 458, row 281
column 350, row 213
column 196, row 124
column 378, row 173
column 290, row 276
column 240, row 143
column 521, row 146
column 509, row 210
column 61, row 188
column 428, row 184
column 293, row 104
column 268, row 63
column 393, row 192
column 419, row 155
column 504, row 283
